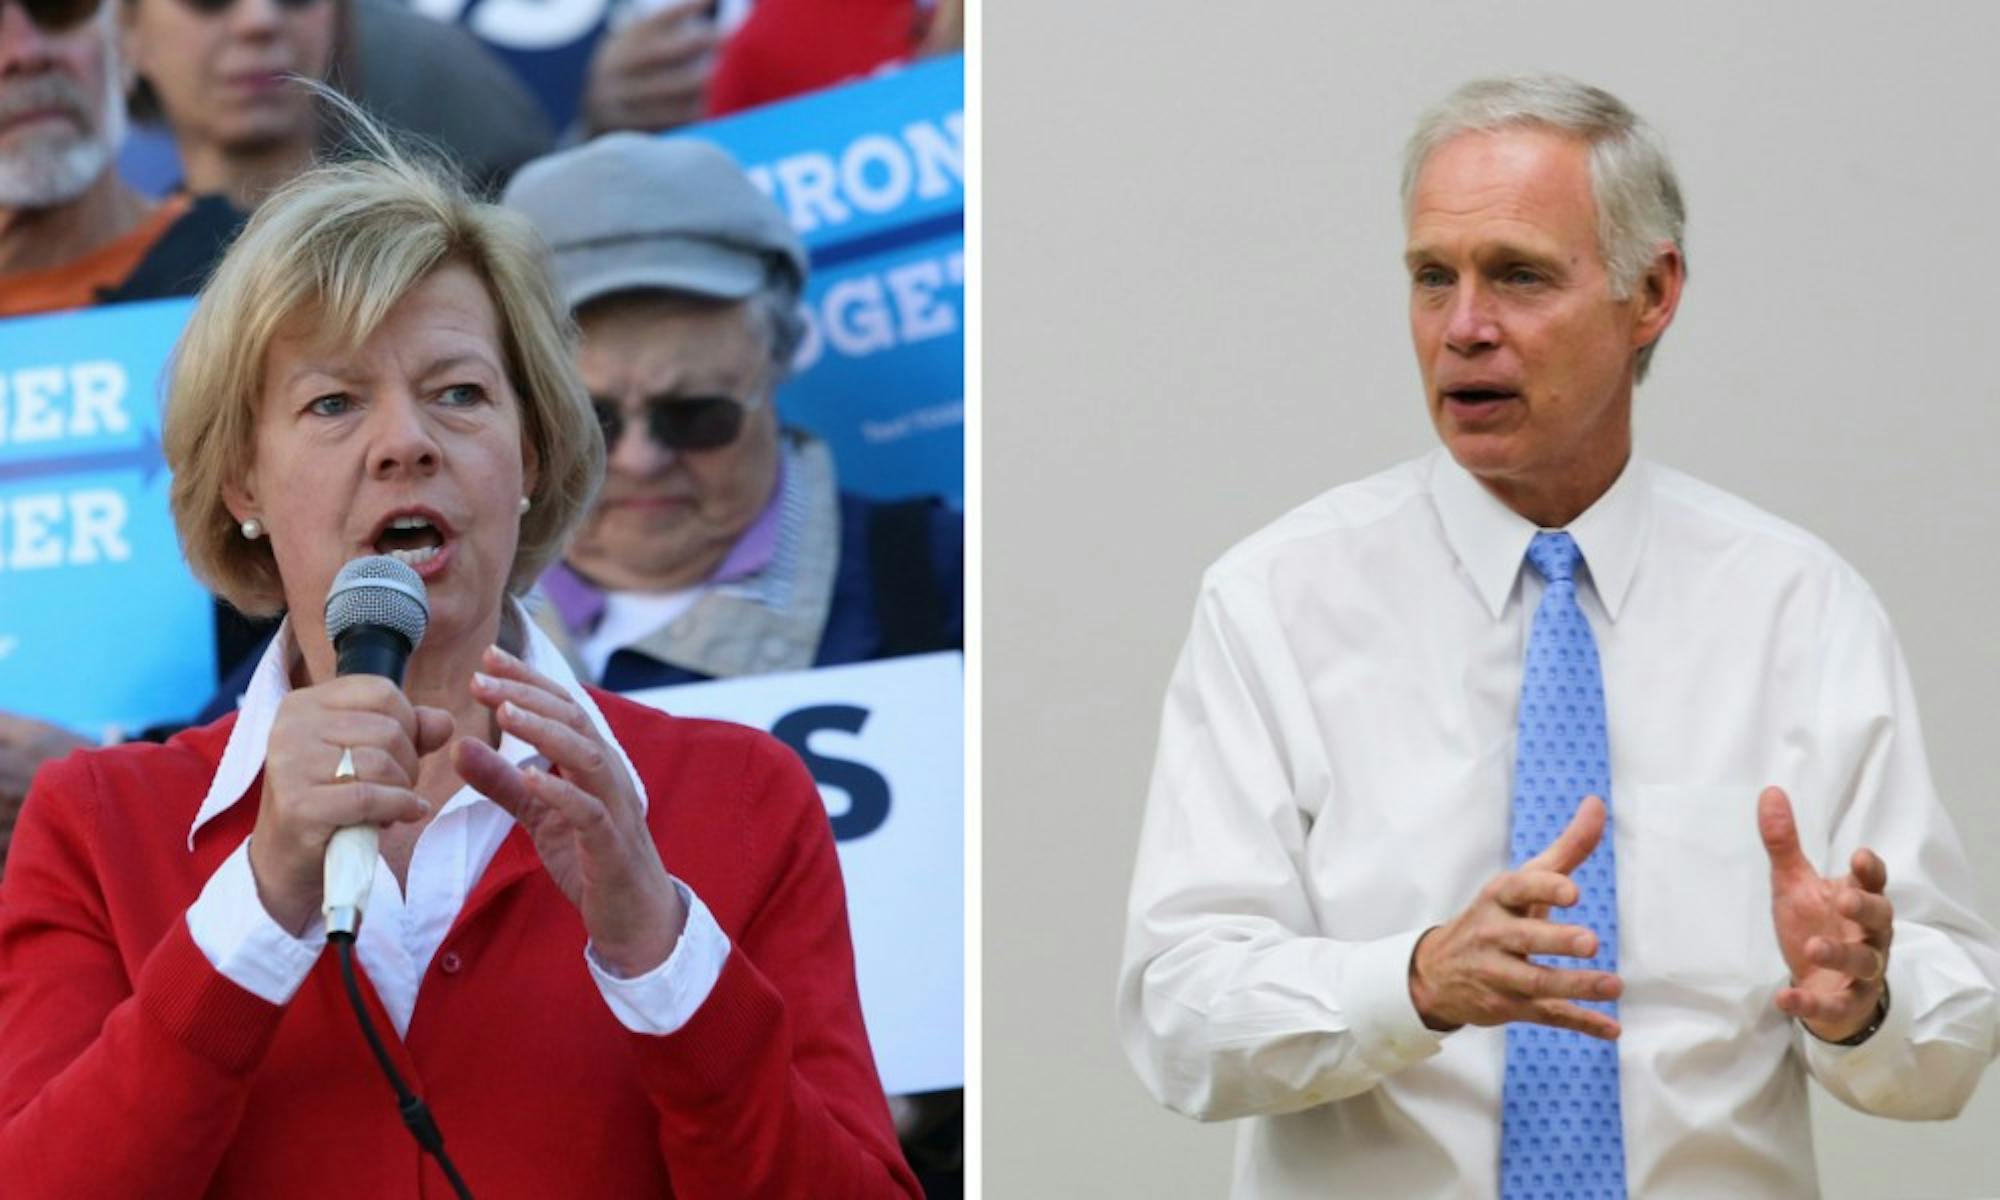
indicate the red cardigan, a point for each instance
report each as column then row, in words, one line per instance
column 129, row 1065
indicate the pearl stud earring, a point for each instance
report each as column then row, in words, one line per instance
column 253, row 528
column 526, row 504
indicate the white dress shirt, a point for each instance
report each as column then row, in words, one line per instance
column 400, row 932
column 1333, row 779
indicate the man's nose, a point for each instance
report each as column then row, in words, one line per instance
column 1472, row 324
column 24, row 48
column 636, row 453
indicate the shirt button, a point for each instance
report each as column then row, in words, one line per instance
column 451, row 962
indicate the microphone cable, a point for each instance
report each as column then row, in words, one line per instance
column 416, row 1115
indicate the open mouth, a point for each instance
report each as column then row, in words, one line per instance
column 412, row 538
column 1480, row 395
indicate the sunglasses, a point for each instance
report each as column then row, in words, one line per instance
column 210, row 8
column 58, row 16
column 697, row 423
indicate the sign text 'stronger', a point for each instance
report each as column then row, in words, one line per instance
column 101, row 626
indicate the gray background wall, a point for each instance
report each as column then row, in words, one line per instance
column 1194, row 319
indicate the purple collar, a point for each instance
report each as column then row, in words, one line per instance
column 580, row 603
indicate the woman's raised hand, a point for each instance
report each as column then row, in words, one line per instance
column 583, row 814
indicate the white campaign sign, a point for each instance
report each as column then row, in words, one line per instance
column 885, row 741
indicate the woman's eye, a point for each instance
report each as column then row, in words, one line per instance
column 463, row 395
column 331, row 405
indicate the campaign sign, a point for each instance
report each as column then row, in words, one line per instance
column 885, row 742
column 872, row 175
column 101, row 626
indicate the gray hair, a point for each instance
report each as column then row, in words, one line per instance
column 1637, row 197
column 784, row 325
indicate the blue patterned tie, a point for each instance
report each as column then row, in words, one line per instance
column 1561, row 1131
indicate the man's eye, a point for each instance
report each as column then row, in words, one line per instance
column 332, row 404
column 1431, row 277
column 1523, row 276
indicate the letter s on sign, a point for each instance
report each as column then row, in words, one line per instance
column 867, row 792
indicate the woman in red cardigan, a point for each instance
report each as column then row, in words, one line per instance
column 608, row 947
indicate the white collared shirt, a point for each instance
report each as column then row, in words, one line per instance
column 632, row 617
column 1333, row 779
column 402, row 932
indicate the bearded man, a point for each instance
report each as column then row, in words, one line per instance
column 72, row 233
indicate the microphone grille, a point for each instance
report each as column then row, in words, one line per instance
column 378, row 590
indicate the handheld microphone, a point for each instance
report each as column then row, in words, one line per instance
column 375, row 616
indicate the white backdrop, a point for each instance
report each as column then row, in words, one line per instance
column 1194, row 319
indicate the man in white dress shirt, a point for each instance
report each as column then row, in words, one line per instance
column 1325, row 933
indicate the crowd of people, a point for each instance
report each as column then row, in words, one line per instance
column 672, row 528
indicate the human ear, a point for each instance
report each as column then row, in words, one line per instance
column 239, row 496
column 1659, row 295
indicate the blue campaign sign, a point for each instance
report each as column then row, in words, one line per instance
column 101, row 625
column 872, row 175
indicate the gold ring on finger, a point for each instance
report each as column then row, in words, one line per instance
column 1881, row 967
column 345, row 771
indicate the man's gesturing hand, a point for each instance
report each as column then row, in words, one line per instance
column 1834, row 933
column 1474, row 970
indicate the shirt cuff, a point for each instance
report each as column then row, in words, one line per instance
column 666, row 997
column 1378, row 997
column 240, row 940
column 1875, row 1067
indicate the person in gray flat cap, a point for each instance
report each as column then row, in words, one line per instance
column 722, row 544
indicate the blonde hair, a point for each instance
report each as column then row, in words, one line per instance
column 340, row 245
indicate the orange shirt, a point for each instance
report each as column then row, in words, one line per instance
column 75, row 284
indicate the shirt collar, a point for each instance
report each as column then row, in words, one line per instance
column 243, row 755
column 577, row 601
column 759, row 543
column 580, row 603
column 1612, row 533
column 1491, row 540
